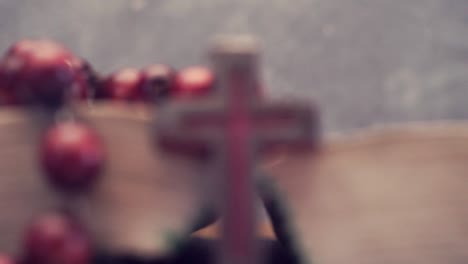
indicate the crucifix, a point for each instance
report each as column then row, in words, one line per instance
column 231, row 129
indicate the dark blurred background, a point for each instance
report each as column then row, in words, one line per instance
column 363, row 61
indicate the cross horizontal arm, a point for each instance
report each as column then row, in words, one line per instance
column 296, row 124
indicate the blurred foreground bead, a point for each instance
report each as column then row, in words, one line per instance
column 4, row 259
column 72, row 156
column 124, row 84
column 56, row 239
column 158, row 82
column 42, row 71
column 193, row 82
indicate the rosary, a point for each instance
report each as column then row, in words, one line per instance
column 132, row 163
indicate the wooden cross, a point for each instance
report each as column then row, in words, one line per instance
column 234, row 126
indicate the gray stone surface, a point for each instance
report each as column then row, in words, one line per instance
column 363, row 61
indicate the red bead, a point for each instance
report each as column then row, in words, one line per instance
column 4, row 259
column 124, row 84
column 56, row 239
column 193, row 82
column 44, row 71
column 158, row 82
column 72, row 156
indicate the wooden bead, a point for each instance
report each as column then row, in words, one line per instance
column 72, row 156
column 56, row 239
column 193, row 82
column 42, row 71
column 124, row 84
